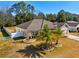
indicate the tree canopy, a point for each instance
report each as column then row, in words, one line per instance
column 64, row 16
column 51, row 17
column 46, row 34
column 21, row 12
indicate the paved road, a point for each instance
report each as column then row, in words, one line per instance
column 73, row 37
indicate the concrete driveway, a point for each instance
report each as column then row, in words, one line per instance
column 73, row 37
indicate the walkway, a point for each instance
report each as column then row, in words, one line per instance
column 73, row 37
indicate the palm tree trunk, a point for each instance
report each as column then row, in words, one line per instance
column 57, row 40
column 42, row 24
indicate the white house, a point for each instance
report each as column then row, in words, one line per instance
column 69, row 26
column 72, row 26
column 63, row 27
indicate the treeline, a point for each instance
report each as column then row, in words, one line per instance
column 22, row 12
column 18, row 13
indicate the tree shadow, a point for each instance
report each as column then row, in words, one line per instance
column 32, row 52
column 35, row 51
column 45, row 46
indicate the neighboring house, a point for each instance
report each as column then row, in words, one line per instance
column 77, row 28
column 30, row 28
column 69, row 26
column 63, row 27
column 73, row 26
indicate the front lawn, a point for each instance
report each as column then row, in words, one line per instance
column 70, row 48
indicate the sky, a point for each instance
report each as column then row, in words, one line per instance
column 48, row 6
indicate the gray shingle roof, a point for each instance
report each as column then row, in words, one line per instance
column 72, row 23
column 35, row 24
column 51, row 25
column 24, row 25
column 60, row 24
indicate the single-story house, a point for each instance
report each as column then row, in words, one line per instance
column 73, row 26
column 63, row 27
column 69, row 26
column 30, row 28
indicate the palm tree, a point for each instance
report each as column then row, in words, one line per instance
column 45, row 34
column 58, row 34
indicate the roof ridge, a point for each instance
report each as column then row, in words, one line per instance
column 25, row 23
column 30, row 23
column 34, row 20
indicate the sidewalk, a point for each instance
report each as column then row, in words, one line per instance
column 73, row 37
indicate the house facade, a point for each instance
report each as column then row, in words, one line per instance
column 72, row 26
column 69, row 26
column 63, row 27
column 31, row 28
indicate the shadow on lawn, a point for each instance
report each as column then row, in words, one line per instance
column 35, row 51
column 32, row 52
